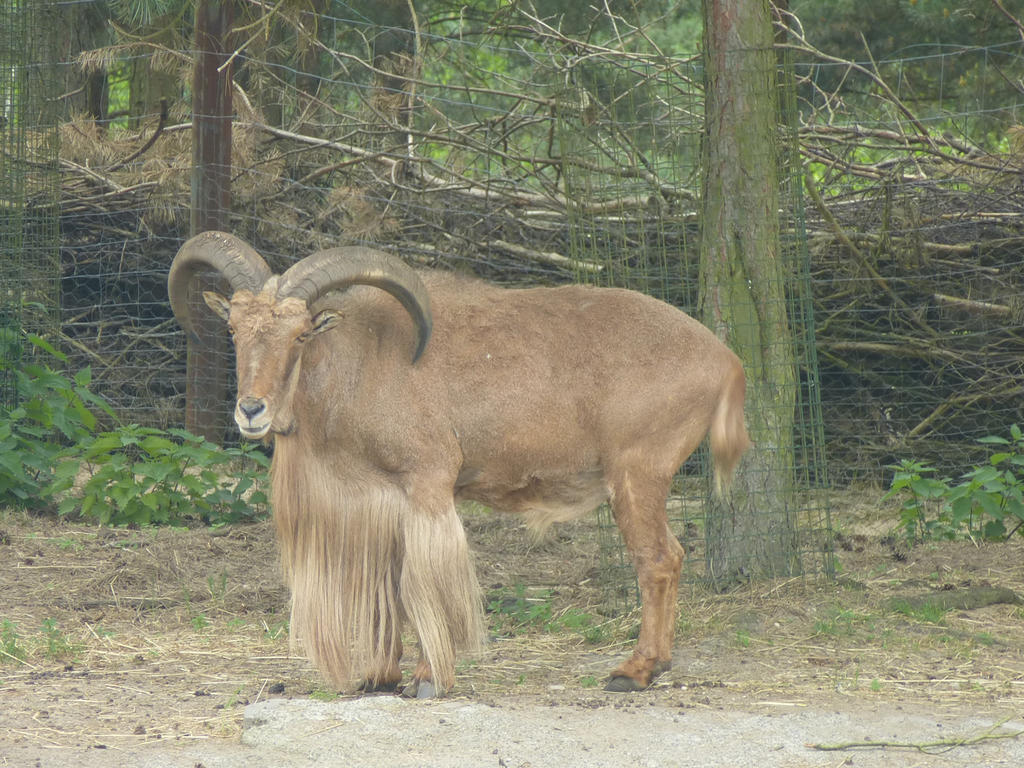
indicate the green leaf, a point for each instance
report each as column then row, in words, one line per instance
column 990, row 504
column 994, row 440
column 44, row 345
column 994, row 530
column 927, row 487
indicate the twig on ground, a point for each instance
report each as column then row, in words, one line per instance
column 929, row 747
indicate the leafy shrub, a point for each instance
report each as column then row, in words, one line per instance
column 988, row 503
column 52, row 456
column 52, row 411
column 145, row 476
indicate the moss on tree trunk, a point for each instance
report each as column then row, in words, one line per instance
column 743, row 284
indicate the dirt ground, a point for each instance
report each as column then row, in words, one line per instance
column 111, row 639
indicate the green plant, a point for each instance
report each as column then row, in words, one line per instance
column 218, row 586
column 929, row 612
column 991, row 498
column 134, row 475
column 50, row 411
column 276, row 630
column 144, row 476
column 68, row 544
column 842, row 622
column 10, row 647
column 57, row 644
column 922, row 512
column 988, row 503
column 516, row 611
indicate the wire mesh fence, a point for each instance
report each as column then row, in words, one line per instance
column 29, row 186
column 515, row 152
column 915, row 234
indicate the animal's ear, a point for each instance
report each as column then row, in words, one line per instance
column 220, row 305
column 322, row 321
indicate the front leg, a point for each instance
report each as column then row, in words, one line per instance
column 422, row 685
column 440, row 597
column 388, row 676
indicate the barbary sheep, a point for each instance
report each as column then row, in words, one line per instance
column 392, row 393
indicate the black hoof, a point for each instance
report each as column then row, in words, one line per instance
column 623, row 685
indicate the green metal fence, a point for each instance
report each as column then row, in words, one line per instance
column 29, row 183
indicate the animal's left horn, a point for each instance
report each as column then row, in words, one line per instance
column 335, row 269
column 221, row 252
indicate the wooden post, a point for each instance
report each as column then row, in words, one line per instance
column 206, row 392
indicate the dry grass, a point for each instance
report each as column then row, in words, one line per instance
column 119, row 637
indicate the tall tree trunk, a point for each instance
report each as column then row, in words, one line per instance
column 743, row 288
column 84, row 27
column 206, row 375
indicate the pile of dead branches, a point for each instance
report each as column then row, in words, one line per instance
column 916, row 259
column 918, row 273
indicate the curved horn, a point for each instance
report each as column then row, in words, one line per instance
column 231, row 256
column 334, row 269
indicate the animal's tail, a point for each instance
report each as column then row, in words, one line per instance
column 728, row 433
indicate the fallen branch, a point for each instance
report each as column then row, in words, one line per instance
column 919, row 350
column 152, row 139
column 929, row 747
column 973, row 306
column 547, row 257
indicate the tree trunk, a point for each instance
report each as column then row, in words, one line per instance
column 743, row 288
column 206, row 383
column 84, row 27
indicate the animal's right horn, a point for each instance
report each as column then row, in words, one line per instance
column 231, row 256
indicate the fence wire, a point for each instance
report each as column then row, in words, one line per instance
column 527, row 160
column 29, row 186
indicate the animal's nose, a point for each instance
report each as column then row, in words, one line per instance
column 251, row 407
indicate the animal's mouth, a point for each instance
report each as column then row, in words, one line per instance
column 253, row 433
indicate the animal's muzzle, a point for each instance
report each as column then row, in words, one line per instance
column 252, row 417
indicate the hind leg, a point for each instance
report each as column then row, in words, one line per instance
column 638, row 503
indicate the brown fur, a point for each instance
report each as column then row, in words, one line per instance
column 356, row 575
column 542, row 402
column 728, row 433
